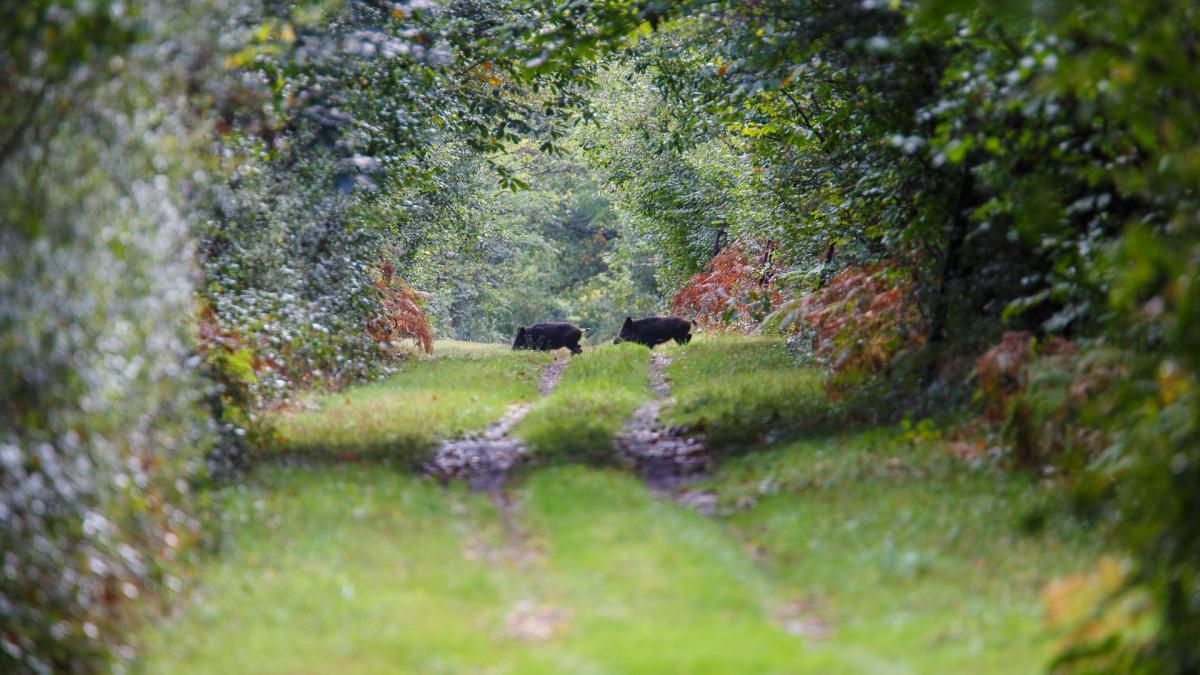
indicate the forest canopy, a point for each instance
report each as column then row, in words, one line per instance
column 208, row 207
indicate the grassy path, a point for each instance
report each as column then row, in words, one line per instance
column 862, row 551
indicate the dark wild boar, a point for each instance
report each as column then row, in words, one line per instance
column 655, row 330
column 545, row 337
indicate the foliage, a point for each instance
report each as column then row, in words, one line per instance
column 1045, row 396
column 857, row 324
column 377, row 142
column 1001, row 373
column 735, row 292
column 401, row 315
column 1095, row 612
column 233, row 368
column 552, row 251
column 102, row 419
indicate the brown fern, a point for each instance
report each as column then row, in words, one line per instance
column 735, row 291
column 401, row 315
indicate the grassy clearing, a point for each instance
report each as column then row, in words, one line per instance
column 744, row 390
column 863, row 552
column 598, row 392
column 364, row 570
column 654, row 587
column 906, row 551
column 401, row 418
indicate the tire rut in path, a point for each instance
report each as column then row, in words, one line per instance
column 666, row 457
column 484, row 458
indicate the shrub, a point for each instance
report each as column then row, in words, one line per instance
column 1043, row 396
column 856, row 325
column 401, row 315
column 101, row 415
column 735, row 292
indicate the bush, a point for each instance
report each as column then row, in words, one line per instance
column 102, row 421
column 856, row 325
column 401, row 315
column 735, row 292
column 1043, row 395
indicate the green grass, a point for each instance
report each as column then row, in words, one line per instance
column 598, row 392
column 906, row 551
column 884, row 552
column 400, row 419
column 342, row 569
column 365, row 570
column 742, row 390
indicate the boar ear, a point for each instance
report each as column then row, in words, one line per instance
column 628, row 321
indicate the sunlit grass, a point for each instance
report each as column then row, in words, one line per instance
column 364, row 570
column 905, row 551
column 866, row 551
column 742, row 391
column 598, row 392
column 401, row 418
column 462, row 348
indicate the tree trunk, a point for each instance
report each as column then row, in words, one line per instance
column 826, row 265
column 718, row 241
column 764, row 278
column 951, row 271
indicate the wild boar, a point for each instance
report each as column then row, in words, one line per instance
column 545, row 337
column 655, row 330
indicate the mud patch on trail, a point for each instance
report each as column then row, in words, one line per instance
column 532, row 622
column 484, row 458
column 551, row 375
column 666, row 457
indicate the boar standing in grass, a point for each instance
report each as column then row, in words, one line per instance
column 545, row 337
column 655, row 330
